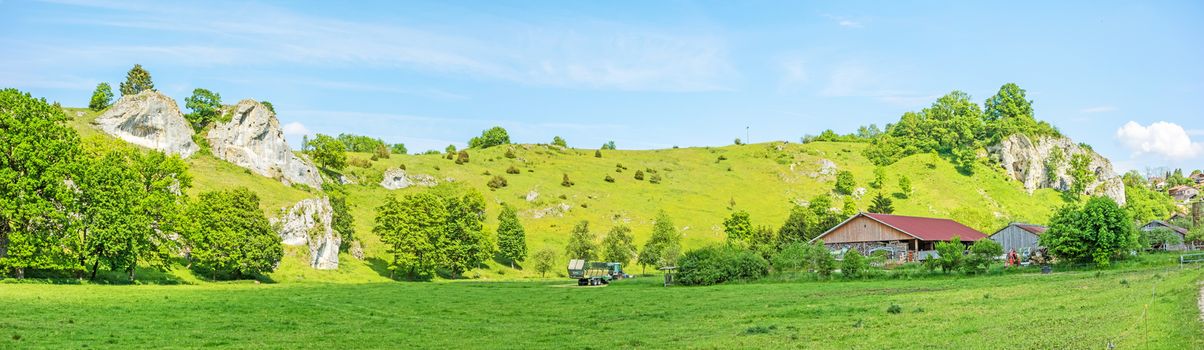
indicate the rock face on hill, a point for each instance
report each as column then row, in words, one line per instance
column 253, row 139
column 308, row 223
column 149, row 119
column 1045, row 163
column 397, row 179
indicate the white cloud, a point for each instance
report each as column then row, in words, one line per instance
column 1165, row 139
column 844, row 21
column 296, row 129
column 851, row 79
column 577, row 54
column 1098, row 109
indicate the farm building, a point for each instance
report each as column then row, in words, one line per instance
column 1157, row 224
column 1023, row 238
column 904, row 238
column 1183, row 193
column 1198, row 178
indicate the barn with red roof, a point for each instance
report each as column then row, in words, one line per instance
column 902, row 237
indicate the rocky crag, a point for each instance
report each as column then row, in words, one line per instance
column 149, row 119
column 253, row 139
column 1044, row 162
column 308, row 223
column 395, row 179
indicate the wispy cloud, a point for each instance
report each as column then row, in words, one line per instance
column 1098, row 109
column 853, row 79
column 844, row 21
column 585, row 54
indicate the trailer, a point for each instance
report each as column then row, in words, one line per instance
column 595, row 273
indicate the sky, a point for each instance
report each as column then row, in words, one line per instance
column 1124, row 76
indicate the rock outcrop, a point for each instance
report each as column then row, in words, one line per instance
column 308, row 223
column 253, row 139
column 149, row 119
column 396, row 179
column 1045, row 163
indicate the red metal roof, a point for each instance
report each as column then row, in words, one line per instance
column 928, row 229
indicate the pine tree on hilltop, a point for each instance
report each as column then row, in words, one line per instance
column 137, row 80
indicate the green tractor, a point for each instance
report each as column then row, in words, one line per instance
column 595, row 273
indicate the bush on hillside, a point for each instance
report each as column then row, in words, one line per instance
column 639, row 175
column 566, row 182
column 512, row 170
column 497, row 182
column 359, row 162
column 1098, row 232
column 845, row 182
column 494, row 136
column 510, row 153
column 597, row 153
column 609, row 179
column 719, row 264
column 462, row 157
column 101, row 97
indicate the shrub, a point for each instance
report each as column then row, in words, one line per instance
column 854, row 264
column 497, row 182
column 719, row 264
column 792, row 257
column 845, row 182
column 566, row 182
column 359, row 162
column 1097, row 232
column 639, row 175
column 462, row 157
column 609, row 179
column 512, row 170
column 597, row 153
column 510, row 153
column 949, row 255
column 982, row 254
column 721, row 158
column 494, row 136
column 559, row 141
column 101, row 98
column 655, row 179
column 894, row 309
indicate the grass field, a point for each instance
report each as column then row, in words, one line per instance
column 1132, row 308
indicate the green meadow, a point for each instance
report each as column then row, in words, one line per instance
column 1133, row 307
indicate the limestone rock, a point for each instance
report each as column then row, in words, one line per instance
column 149, row 119
column 1029, row 161
column 395, row 179
column 308, row 223
column 253, row 139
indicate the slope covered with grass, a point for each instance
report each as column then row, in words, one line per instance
column 699, row 187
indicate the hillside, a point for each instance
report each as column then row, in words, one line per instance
column 698, row 189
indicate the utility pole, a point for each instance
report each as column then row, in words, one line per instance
column 746, row 140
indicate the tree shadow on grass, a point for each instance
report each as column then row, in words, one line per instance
column 382, row 268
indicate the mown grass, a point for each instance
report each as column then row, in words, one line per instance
column 1138, row 307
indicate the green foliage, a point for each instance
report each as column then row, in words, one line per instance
column 1081, row 174
column 639, row 175
column 597, row 153
column 663, row 246
column 497, row 182
column 825, row 218
column 1098, row 232
column 864, row 134
column 206, row 107
column 854, row 264
column 609, row 145
column 845, row 182
column 564, row 181
column 608, row 178
column 1159, row 238
column 101, row 97
column 718, row 264
column 792, row 257
column 544, row 261
column 33, row 183
column 409, row 228
column 462, row 157
column 879, row 178
column 820, row 259
column 904, row 186
column 618, row 245
column 881, row 205
column 364, row 144
column 738, row 227
column 950, row 255
column 510, row 153
column 269, row 106
column 738, row 142
column 398, row 148
column 464, row 244
column 511, row 236
column 1143, row 203
column 136, row 80
column 655, row 178
column 494, row 136
column 796, row 229
column 381, row 152
column 1009, row 112
column 982, row 253
column 327, row 152
column 1054, row 163
column 125, row 207
column 512, row 170
column 228, row 234
column 582, row 243
column 558, row 141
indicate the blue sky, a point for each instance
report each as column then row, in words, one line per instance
column 644, row 74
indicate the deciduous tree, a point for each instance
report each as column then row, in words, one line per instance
column 101, row 97
column 229, row 234
column 582, row 243
column 206, row 106
column 618, row 245
column 328, row 152
column 511, row 237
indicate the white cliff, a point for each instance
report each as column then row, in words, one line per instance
column 149, row 119
column 253, row 139
column 1046, row 162
column 308, row 223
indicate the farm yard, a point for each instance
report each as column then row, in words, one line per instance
column 1131, row 306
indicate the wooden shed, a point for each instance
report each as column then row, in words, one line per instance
column 1159, row 224
column 1021, row 237
column 906, row 237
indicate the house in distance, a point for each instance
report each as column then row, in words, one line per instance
column 905, row 238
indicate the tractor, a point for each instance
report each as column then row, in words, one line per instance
column 595, row 273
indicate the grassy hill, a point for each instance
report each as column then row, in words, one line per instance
column 699, row 187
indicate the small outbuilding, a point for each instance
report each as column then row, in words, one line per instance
column 1159, row 224
column 1020, row 237
column 906, row 238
